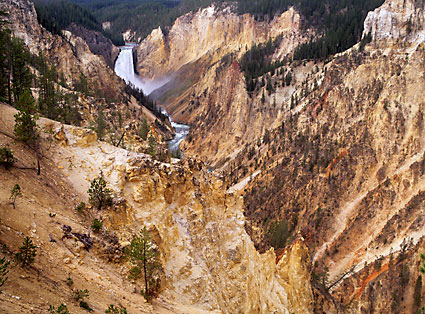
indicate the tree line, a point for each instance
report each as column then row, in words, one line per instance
column 56, row 15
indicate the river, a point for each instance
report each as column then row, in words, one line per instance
column 124, row 68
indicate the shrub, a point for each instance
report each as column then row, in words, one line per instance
column 80, row 207
column 62, row 309
column 79, row 295
column 69, row 281
column 99, row 194
column 27, row 252
column 6, row 157
column 4, row 263
column 15, row 192
column 96, row 225
column 86, row 306
column 112, row 309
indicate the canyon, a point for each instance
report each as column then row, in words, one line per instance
column 304, row 198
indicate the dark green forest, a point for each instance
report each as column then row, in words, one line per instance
column 339, row 22
column 56, row 15
column 339, row 25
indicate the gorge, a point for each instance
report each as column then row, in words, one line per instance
column 124, row 68
column 301, row 188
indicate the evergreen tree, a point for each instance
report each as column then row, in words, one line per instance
column 7, row 159
column 48, row 96
column 99, row 194
column 4, row 59
column 144, row 129
column 14, row 193
column 25, row 123
column 100, row 124
column 21, row 76
column 152, row 146
column 144, row 255
column 4, row 263
column 27, row 252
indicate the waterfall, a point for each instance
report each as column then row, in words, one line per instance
column 124, row 68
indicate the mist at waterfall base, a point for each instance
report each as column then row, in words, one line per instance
column 124, row 68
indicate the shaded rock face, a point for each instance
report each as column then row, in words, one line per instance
column 210, row 263
column 97, row 43
column 70, row 54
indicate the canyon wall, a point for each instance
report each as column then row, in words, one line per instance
column 209, row 260
column 70, row 54
column 211, row 31
column 345, row 169
column 207, row 90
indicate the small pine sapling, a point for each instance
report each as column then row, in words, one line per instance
column 69, row 281
column 144, row 255
column 7, row 159
column 112, row 309
column 62, row 309
column 79, row 296
column 99, row 194
column 96, row 225
column 80, row 207
column 14, row 193
column 4, row 263
column 27, row 252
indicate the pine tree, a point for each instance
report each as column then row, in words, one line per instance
column 7, row 159
column 100, row 124
column 4, row 59
column 21, row 76
column 4, row 263
column 152, row 146
column 99, row 194
column 144, row 129
column 144, row 255
column 14, row 193
column 27, row 252
column 25, row 122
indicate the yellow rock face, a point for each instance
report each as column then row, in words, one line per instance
column 209, row 31
column 210, row 262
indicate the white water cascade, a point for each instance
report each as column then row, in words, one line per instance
column 124, row 68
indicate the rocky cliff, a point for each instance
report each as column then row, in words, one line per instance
column 207, row 89
column 212, row 31
column 70, row 54
column 209, row 261
column 97, row 43
column 397, row 21
column 345, row 166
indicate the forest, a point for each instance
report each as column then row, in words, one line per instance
column 56, row 15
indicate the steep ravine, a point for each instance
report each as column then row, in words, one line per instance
column 210, row 263
column 346, row 167
column 124, row 68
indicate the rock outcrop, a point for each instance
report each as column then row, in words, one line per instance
column 70, row 54
column 207, row 91
column 97, row 43
column 209, row 260
column 211, row 31
column 397, row 20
